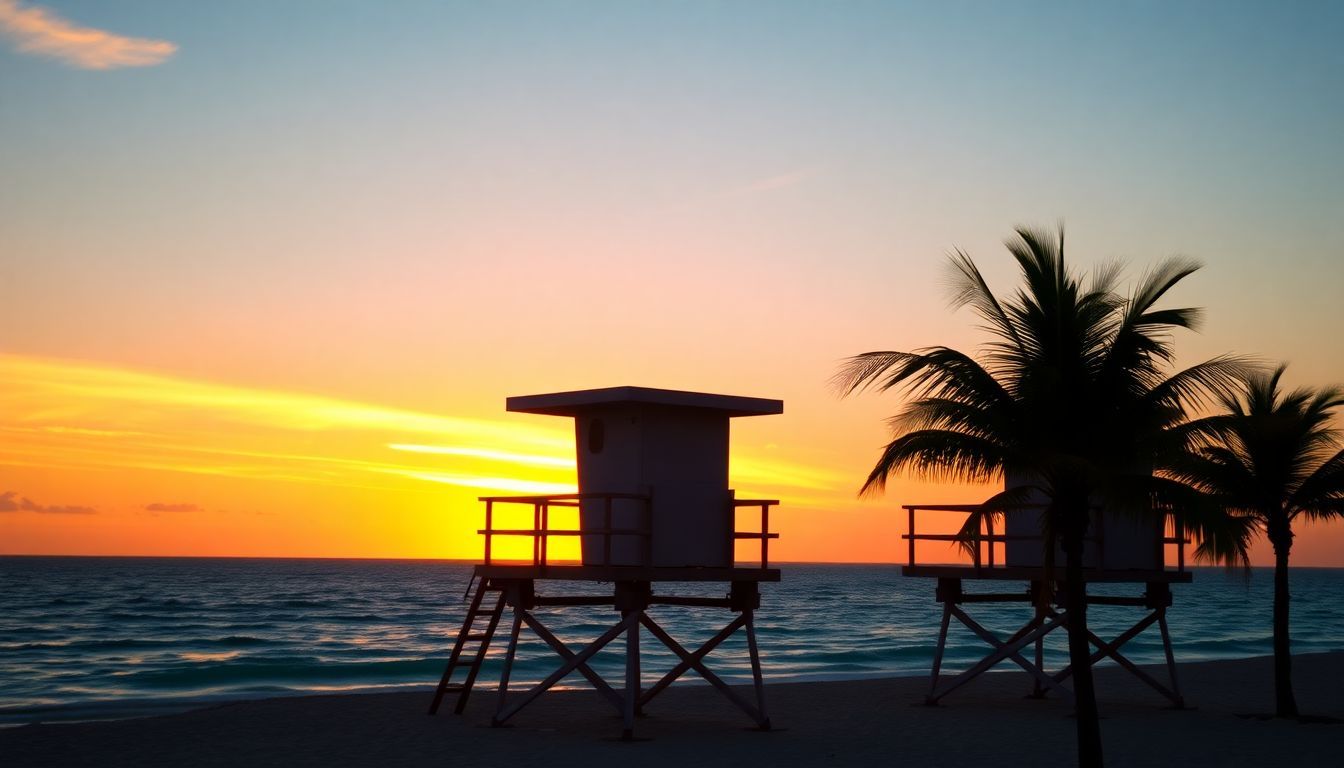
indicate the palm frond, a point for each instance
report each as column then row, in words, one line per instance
column 1206, row 382
column 969, row 288
column 992, row 509
column 860, row 372
column 1220, row 535
column 936, row 454
column 1321, row 495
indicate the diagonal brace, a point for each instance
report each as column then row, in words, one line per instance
column 685, row 665
column 1009, row 649
column 1112, row 649
column 573, row 661
column 695, row 661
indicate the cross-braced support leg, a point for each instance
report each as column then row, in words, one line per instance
column 1112, row 650
column 1178, row 701
column 631, row 702
column 685, row 665
column 1003, row 649
column 1038, row 691
column 930, row 699
column 695, row 661
column 573, row 661
column 756, row 677
column 509, row 656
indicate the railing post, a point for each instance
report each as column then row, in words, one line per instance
column 1179, row 525
column 489, row 519
column 765, row 535
column 910, row 526
column 975, row 551
column 989, row 537
column 536, row 533
column 545, row 529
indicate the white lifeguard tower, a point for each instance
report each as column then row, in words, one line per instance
column 1120, row 549
column 654, row 507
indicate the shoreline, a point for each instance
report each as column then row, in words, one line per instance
column 853, row 722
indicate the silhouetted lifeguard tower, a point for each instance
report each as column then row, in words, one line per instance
column 654, row 507
column 1120, row 549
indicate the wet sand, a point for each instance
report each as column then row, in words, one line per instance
column 867, row 722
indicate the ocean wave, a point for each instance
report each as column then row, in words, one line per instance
column 281, row 670
column 174, row 630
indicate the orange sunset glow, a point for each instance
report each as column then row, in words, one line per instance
column 267, row 286
column 112, row 461
column 101, row 460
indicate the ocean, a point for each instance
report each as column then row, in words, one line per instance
column 85, row 638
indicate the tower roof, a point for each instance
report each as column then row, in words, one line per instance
column 579, row 401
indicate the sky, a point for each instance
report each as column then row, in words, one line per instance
column 271, row 270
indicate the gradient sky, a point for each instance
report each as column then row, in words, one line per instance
column 271, row 269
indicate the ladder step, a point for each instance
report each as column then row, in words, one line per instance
column 479, row 636
column 454, row 688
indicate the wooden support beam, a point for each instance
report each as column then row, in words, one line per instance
column 1010, row 649
column 631, row 702
column 930, row 699
column 573, row 661
column 757, row 679
column 574, row 600
column 1048, row 618
column 704, row 602
column 508, row 665
column 1002, row 650
column 581, row 664
column 1112, row 649
column 1179, row 701
column 694, row 662
column 685, row 665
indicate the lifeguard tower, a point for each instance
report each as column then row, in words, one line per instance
column 1121, row 550
column 654, row 509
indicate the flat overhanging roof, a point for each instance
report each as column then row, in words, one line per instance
column 574, row 403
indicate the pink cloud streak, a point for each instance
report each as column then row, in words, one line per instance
column 41, row 32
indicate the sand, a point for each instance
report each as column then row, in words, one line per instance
column 867, row 722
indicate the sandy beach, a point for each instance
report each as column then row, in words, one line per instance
column 865, row 722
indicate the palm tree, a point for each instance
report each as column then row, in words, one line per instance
column 1072, row 392
column 1273, row 458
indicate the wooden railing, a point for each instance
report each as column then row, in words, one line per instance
column 764, row 534
column 982, row 545
column 541, row 529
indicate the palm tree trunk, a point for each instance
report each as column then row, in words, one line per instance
column 1080, row 651
column 1285, row 705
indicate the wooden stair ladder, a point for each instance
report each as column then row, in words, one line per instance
column 474, row 640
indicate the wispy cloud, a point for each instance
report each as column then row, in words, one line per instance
column 41, row 32
column 509, row 484
column 73, row 416
column 778, row 181
column 479, row 453
column 77, row 389
column 62, row 415
column 160, row 507
column 11, row 501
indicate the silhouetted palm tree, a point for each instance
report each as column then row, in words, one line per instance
column 1071, row 392
column 1272, row 459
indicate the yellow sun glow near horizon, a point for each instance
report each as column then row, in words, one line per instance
column 167, row 465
